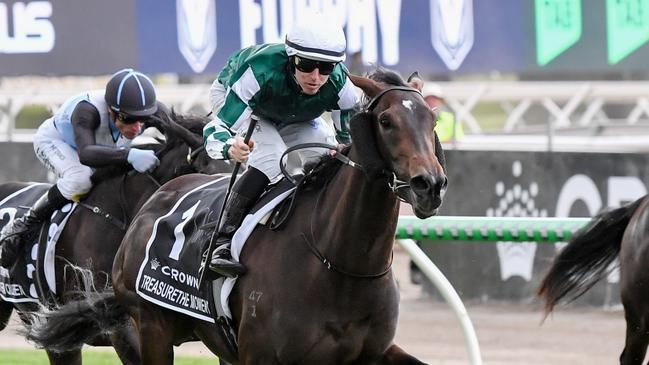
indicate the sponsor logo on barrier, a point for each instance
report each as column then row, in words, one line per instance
column 517, row 259
column 196, row 21
column 452, row 30
column 32, row 30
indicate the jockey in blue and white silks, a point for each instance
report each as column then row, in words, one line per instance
column 89, row 130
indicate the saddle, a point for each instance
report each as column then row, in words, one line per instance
column 31, row 278
column 169, row 271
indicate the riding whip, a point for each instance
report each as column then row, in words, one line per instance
column 210, row 247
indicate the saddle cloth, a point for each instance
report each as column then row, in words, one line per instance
column 34, row 271
column 169, row 272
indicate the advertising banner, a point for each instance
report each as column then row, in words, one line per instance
column 435, row 37
column 529, row 184
column 72, row 37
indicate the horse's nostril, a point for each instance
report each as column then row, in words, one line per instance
column 428, row 184
column 419, row 184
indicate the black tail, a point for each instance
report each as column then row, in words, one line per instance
column 71, row 325
column 587, row 257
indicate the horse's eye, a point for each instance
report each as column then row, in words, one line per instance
column 385, row 122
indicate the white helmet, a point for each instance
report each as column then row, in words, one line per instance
column 317, row 40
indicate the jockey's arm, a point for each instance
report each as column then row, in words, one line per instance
column 85, row 120
column 218, row 133
column 346, row 104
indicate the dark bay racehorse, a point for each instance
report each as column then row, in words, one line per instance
column 320, row 290
column 89, row 241
column 623, row 233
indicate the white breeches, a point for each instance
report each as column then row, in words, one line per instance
column 271, row 142
column 63, row 160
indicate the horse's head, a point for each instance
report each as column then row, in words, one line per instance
column 183, row 150
column 394, row 136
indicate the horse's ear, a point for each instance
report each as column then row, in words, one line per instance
column 415, row 81
column 369, row 86
column 361, row 127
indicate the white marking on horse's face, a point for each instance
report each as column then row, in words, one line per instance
column 407, row 104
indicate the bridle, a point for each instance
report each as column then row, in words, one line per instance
column 394, row 183
column 372, row 103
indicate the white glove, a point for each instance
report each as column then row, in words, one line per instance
column 142, row 160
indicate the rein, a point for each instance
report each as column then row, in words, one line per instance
column 191, row 155
column 330, row 265
column 121, row 224
column 394, row 184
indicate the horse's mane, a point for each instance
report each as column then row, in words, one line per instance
column 194, row 123
column 385, row 76
column 319, row 172
column 324, row 169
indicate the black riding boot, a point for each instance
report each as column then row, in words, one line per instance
column 13, row 235
column 244, row 194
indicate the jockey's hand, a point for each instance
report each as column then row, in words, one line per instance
column 240, row 151
column 142, row 160
column 339, row 148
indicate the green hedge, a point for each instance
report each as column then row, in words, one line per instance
column 31, row 116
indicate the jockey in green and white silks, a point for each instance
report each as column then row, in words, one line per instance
column 286, row 87
column 89, row 130
column 258, row 80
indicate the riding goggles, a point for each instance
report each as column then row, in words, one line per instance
column 306, row 65
column 129, row 119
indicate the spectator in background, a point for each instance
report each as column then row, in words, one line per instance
column 447, row 130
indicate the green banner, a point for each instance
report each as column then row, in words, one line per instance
column 558, row 27
column 627, row 27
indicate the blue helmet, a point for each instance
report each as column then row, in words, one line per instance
column 131, row 93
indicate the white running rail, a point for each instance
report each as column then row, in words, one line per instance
column 450, row 295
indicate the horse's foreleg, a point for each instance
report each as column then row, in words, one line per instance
column 636, row 341
column 396, row 356
column 64, row 358
column 127, row 345
column 5, row 313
